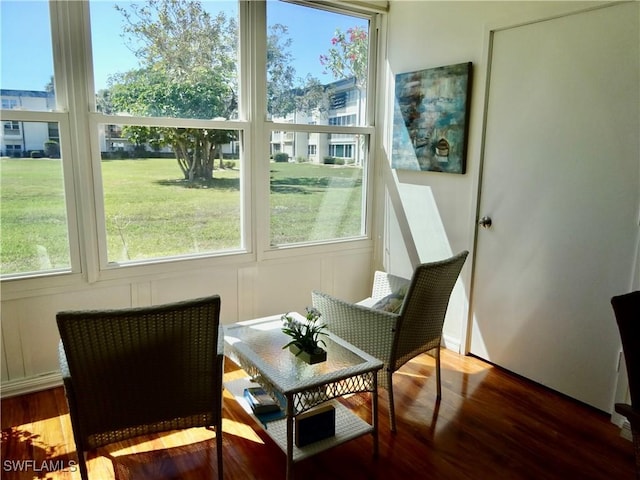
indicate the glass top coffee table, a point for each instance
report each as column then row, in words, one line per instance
column 256, row 345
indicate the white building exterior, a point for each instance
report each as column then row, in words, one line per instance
column 18, row 139
column 346, row 108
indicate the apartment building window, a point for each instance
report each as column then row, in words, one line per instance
column 53, row 131
column 343, row 120
column 13, row 150
column 9, row 103
column 341, row 150
column 12, row 127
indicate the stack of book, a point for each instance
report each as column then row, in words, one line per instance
column 260, row 401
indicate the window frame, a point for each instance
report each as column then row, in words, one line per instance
column 67, row 165
column 78, row 121
column 367, row 129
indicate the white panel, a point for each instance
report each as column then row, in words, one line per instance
column 37, row 322
column 351, row 277
column 201, row 283
column 5, row 370
column 281, row 287
column 13, row 363
column 284, row 287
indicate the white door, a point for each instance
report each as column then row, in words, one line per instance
column 561, row 185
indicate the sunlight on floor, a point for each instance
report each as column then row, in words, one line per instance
column 239, row 429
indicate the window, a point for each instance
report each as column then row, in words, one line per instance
column 11, row 128
column 13, row 150
column 321, row 196
column 165, row 100
column 54, row 131
column 34, row 216
column 178, row 63
column 36, row 232
column 343, row 120
column 341, row 150
column 9, row 103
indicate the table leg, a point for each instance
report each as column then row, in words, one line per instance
column 374, row 413
column 290, row 437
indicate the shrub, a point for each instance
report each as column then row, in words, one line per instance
column 329, row 160
column 281, row 157
column 339, row 161
column 52, row 149
column 36, row 154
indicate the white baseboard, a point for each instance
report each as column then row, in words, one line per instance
column 451, row 343
column 30, row 385
column 626, row 431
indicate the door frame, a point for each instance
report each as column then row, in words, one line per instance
column 622, row 388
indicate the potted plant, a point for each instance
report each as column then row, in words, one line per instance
column 306, row 340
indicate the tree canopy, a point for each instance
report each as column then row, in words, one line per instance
column 188, row 69
column 348, row 55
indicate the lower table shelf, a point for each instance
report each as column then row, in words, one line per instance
column 348, row 424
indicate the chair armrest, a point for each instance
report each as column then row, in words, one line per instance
column 368, row 329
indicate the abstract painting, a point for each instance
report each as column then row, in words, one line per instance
column 431, row 119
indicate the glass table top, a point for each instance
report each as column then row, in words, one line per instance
column 261, row 342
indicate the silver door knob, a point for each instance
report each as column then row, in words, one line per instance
column 485, row 222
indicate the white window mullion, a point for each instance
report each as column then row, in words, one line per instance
column 72, row 65
column 259, row 139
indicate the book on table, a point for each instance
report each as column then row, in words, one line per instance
column 315, row 425
column 260, row 401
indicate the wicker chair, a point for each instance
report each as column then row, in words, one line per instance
column 396, row 338
column 138, row 371
column 627, row 311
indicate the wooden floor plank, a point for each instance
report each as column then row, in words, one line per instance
column 489, row 425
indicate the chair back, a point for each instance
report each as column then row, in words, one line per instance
column 627, row 311
column 419, row 327
column 141, row 370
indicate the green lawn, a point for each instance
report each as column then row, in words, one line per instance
column 311, row 202
column 32, row 216
column 151, row 212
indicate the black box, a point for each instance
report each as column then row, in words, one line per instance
column 314, row 425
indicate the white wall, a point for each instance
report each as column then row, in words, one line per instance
column 440, row 208
column 248, row 290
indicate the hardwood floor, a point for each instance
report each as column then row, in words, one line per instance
column 488, row 425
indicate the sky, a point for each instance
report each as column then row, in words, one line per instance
column 27, row 65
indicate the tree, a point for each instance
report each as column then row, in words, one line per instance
column 50, row 87
column 281, row 95
column 348, row 56
column 103, row 102
column 188, row 70
column 287, row 94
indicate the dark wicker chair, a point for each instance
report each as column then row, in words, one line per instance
column 627, row 311
column 396, row 338
column 138, row 371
